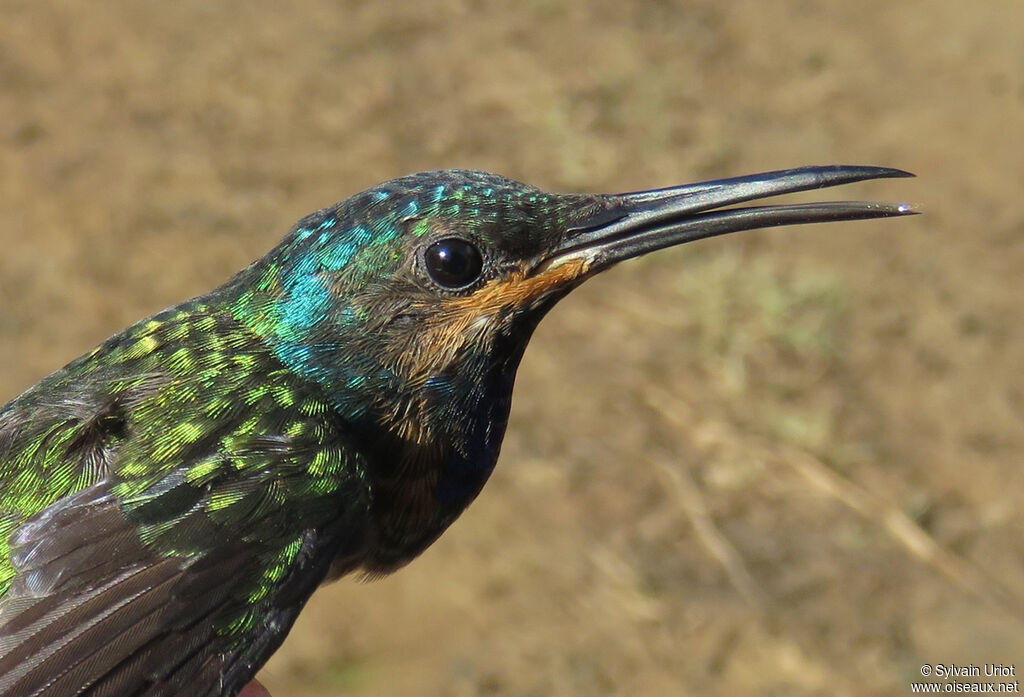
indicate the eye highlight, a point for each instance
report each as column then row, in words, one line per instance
column 453, row 262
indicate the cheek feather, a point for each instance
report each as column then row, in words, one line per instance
column 512, row 292
column 465, row 324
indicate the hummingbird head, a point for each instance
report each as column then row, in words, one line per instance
column 411, row 304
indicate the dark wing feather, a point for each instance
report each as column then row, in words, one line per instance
column 59, row 622
column 94, row 611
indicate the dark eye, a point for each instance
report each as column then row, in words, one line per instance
column 453, row 263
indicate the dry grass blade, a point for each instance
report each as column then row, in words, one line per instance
column 958, row 571
column 711, row 538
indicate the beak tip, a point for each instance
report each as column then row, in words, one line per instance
column 869, row 171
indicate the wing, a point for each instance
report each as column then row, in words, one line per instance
column 94, row 611
column 166, row 516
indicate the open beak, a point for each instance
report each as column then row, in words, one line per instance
column 644, row 221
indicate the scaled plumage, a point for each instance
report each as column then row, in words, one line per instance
column 170, row 500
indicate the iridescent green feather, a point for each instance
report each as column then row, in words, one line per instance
column 210, row 444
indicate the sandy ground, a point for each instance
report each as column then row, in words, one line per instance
column 783, row 463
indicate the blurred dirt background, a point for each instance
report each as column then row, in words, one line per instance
column 781, row 463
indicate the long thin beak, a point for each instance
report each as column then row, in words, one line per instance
column 645, row 221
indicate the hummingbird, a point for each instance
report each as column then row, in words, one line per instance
column 170, row 500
